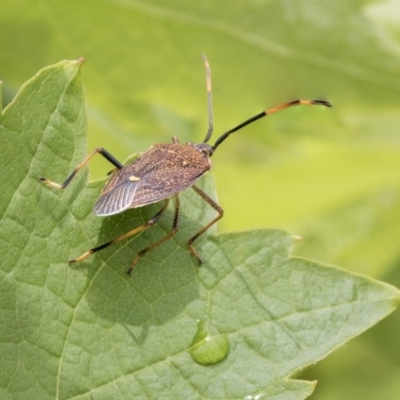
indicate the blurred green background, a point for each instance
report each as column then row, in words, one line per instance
column 328, row 175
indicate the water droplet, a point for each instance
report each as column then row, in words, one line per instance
column 208, row 348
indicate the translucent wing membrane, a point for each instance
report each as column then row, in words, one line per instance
column 117, row 200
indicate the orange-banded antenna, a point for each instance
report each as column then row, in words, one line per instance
column 270, row 111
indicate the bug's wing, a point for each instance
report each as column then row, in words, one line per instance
column 116, row 200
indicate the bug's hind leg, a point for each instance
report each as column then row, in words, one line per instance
column 138, row 229
column 220, row 212
column 175, row 227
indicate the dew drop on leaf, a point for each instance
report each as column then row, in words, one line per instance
column 208, row 348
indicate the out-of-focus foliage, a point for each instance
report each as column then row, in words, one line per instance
column 330, row 176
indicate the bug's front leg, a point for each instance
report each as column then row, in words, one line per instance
column 99, row 150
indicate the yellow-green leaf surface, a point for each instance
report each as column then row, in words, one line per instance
column 239, row 326
column 330, row 176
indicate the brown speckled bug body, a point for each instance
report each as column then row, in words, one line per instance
column 162, row 172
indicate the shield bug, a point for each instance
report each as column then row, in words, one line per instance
column 160, row 173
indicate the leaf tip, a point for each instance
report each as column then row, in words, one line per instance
column 76, row 63
column 396, row 300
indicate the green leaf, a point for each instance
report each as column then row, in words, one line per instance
column 91, row 331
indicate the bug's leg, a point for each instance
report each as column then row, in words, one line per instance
column 138, row 229
column 217, row 208
column 209, row 100
column 175, row 227
column 99, row 150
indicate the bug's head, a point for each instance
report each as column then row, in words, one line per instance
column 204, row 148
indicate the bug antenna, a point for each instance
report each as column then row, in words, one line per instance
column 267, row 112
column 209, row 99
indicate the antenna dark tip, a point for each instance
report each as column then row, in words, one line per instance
column 322, row 103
